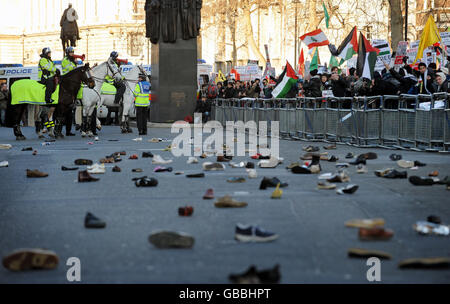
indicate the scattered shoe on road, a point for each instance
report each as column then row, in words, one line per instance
column 349, row 189
column 30, row 259
column 91, row 221
column 209, row 194
column 171, row 239
column 375, row 234
column 36, row 173
column 83, row 162
column 228, row 202
column 84, row 176
column 248, row 233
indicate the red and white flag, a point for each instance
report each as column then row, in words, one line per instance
column 314, row 39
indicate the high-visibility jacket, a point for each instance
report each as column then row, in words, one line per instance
column 46, row 68
column 67, row 65
column 142, row 92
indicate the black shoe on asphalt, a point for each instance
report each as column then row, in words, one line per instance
column 419, row 164
column 250, row 276
column 146, row 182
column 395, row 157
column 332, row 158
column 350, row 155
column 421, row 181
column 196, row 175
column 396, row 174
column 253, row 276
column 28, row 149
column 369, row 155
column 359, row 160
column 270, row 276
column 434, row 219
column 250, row 165
column 147, row 154
column 70, row 134
column 300, row 170
column 91, row 221
column 64, row 168
column 271, row 182
column 83, row 162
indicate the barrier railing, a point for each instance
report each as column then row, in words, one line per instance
column 418, row 122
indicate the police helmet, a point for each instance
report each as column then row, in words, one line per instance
column 46, row 50
column 114, row 55
column 69, row 50
column 142, row 75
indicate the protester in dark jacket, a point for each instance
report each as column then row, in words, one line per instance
column 229, row 91
column 338, row 85
column 312, row 85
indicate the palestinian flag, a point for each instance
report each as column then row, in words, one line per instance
column 285, row 82
column 367, row 57
column 348, row 47
column 314, row 39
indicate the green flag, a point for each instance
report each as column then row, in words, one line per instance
column 315, row 60
column 327, row 17
column 335, row 63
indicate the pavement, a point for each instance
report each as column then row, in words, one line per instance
column 313, row 241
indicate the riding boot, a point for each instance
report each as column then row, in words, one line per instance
column 18, row 133
column 58, row 128
column 38, row 125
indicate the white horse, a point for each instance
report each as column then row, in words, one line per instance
column 132, row 78
column 91, row 97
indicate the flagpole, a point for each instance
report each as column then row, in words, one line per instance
column 295, row 37
column 406, row 20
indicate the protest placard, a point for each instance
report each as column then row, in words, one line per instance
column 384, row 55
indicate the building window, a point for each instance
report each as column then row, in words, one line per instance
column 135, row 44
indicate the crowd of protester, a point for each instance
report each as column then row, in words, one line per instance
column 390, row 81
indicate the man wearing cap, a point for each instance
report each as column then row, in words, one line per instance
column 141, row 102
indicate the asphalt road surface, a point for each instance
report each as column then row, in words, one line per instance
column 313, row 241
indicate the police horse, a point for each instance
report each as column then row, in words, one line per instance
column 96, row 98
column 30, row 92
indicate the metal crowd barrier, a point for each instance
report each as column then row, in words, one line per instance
column 417, row 122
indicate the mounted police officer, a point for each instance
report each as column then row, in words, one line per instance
column 68, row 64
column 119, row 85
column 141, row 102
column 47, row 72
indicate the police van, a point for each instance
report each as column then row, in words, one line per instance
column 13, row 72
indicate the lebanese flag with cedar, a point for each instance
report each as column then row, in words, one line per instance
column 314, row 39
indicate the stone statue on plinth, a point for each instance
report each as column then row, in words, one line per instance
column 69, row 27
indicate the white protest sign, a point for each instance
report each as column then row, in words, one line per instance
column 445, row 36
column 384, row 55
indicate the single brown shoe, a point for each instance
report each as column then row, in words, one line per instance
column 84, row 176
column 228, row 202
column 36, row 173
column 209, row 194
column 107, row 160
column 375, row 234
column 222, row 158
column 116, row 169
column 26, row 259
